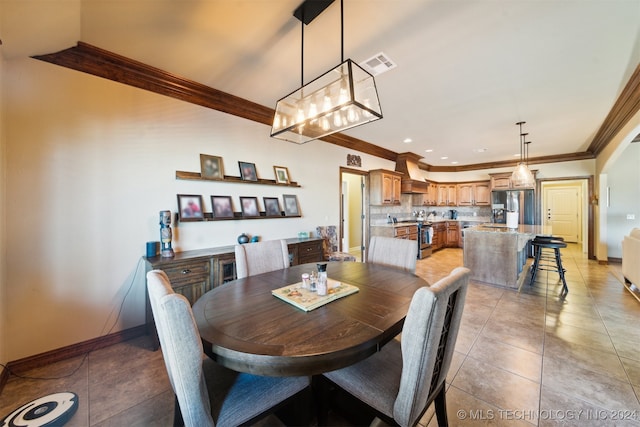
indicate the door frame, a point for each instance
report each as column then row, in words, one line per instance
column 364, row 223
column 588, row 206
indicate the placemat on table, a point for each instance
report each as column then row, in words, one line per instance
column 306, row 300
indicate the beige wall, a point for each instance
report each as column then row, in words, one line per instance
column 607, row 160
column 3, row 201
column 90, row 163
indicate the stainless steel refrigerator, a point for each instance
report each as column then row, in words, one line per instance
column 521, row 201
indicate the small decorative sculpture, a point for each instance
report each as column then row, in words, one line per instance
column 165, row 234
column 243, row 238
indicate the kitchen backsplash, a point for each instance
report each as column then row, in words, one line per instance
column 405, row 211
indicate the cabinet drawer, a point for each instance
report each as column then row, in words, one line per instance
column 409, row 232
column 310, row 252
column 189, row 271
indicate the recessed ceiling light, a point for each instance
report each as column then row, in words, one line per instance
column 444, row 158
column 428, row 150
column 480, row 150
column 454, row 163
column 516, row 155
column 407, row 140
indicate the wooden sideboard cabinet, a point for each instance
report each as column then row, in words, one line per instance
column 305, row 252
column 193, row 273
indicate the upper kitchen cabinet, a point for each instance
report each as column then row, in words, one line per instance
column 426, row 199
column 474, row 193
column 384, row 187
column 502, row 181
column 447, row 194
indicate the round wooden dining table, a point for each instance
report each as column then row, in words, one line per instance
column 246, row 328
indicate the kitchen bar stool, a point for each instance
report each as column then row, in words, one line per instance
column 543, row 261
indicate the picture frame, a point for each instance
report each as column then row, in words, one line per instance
column 248, row 171
column 291, row 207
column 249, row 207
column 211, row 167
column 190, row 207
column 222, row 206
column 272, row 206
column 282, row 174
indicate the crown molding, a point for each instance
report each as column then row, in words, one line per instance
column 102, row 63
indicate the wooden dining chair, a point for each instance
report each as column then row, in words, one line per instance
column 392, row 252
column 208, row 394
column 261, row 257
column 402, row 380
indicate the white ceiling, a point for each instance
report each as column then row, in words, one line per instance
column 468, row 70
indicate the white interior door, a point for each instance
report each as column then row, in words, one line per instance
column 562, row 211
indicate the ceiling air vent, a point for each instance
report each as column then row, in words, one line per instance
column 378, row 64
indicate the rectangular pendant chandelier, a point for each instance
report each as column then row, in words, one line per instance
column 340, row 99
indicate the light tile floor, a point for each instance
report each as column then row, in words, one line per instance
column 528, row 358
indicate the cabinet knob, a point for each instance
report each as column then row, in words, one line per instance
column 186, row 271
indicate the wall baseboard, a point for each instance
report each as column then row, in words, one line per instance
column 4, row 377
column 23, row 365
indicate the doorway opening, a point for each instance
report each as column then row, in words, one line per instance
column 353, row 215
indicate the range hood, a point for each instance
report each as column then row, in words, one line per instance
column 412, row 182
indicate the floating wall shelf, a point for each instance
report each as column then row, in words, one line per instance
column 196, row 176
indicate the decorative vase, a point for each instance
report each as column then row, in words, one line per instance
column 243, row 238
column 255, row 239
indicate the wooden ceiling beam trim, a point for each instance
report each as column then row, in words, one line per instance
column 102, row 63
column 509, row 163
column 625, row 107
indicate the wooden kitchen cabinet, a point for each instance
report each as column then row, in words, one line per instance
column 474, row 193
column 502, row 181
column 384, row 187
column 398, row 231
column 453, row 234
column 447, row 194
column 426, row 199
column 439, row 239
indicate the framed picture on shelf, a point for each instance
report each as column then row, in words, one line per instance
column 249, row 206
column 272, row 206
column 248, row 171
column 190, row 207
column 282, row 174
column 291, row 207
column 211, row 167
column 222, row 206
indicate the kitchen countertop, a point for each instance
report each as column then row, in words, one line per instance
column 533, row 230
column 401, row 223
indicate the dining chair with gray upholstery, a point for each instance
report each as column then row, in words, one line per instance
column 261, row 257
column 402, row 380
column 208, row 394
column 392, row 252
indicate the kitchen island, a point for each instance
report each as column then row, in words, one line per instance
column 497, row 254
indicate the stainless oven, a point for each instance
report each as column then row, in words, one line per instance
column 424, row 239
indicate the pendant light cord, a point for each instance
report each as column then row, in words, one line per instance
column 341, row 31
column 302, row 51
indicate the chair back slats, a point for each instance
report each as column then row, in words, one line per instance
column 428, row 340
